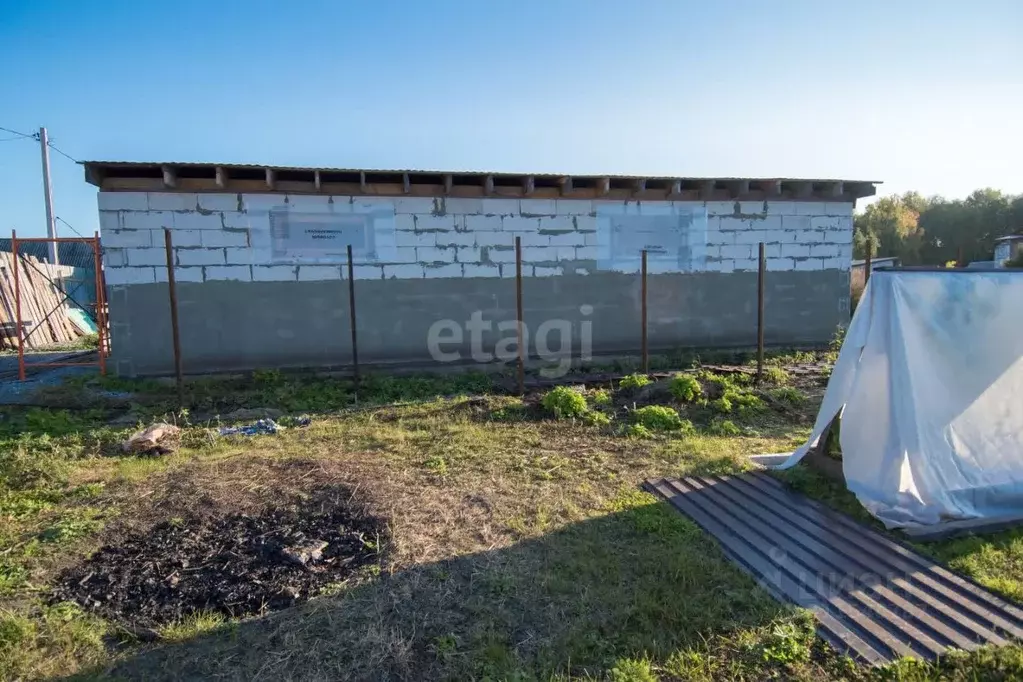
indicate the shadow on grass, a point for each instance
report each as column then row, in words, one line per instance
column 642, row 581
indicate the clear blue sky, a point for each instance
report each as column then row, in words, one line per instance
column 921, row 95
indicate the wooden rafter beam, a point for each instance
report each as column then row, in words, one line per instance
column 449, row 182
column 362, row 182
column 221, row 177
column 528, row 185
column 566, row 184
column 836, row 189
column 707, row 189
column 488, row 185
column 739, row 188
column 406, row 183
column 271, row 178
column 317, row 181
column 676, row 188
column 603, row 187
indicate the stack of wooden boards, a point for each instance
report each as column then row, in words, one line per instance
column 44, row 314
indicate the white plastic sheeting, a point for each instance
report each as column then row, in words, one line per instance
column 929, row 383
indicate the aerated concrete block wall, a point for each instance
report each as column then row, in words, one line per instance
column 261, row 278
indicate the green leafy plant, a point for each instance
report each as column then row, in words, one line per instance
column 632, row 670
column 685, row 387
column 787, row 395
column 638, row 431
column 660, row 418
column 776, row 376
column 723, row 427
column 597, row 419
column 601, row 397
column 565, row 403
column 437, row 465
column 633, row 381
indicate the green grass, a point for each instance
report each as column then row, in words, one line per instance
column 520, row 547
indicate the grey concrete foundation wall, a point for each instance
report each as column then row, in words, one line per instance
column 231, row 325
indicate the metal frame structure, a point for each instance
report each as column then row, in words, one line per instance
column 101, row 322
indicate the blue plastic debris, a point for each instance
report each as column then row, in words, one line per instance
column 263, row 426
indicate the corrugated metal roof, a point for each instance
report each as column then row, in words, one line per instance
column 874, row 598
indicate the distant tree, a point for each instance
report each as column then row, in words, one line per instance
column 892, row 225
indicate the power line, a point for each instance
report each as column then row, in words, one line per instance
column 8, row 139
column 71, row 226
column 15, row 132
column 54, row 148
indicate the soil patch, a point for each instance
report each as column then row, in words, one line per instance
column 238, row 564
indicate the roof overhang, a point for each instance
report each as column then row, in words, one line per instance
column 209, row 177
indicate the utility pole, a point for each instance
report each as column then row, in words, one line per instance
column 51, row 225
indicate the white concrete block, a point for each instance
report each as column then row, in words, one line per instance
column 767, row 223
column 542, row 253
column 413, row 205
column 339, row 204
column 402, row 238
column 129, row 238
column 499, row 239
column 751, row 237
column 508, row 270
column 194, row 274
column 435, row 223
column 781, row 264
column 590, row 239
column 731, row 224
column 500, row 255
column 459, row 238
column 722, row 265
column 472, row 270
column 839, row 208
column 483, row 223
column 114, row 258
column 239, row 273
column 114, row 276
column 148, row 220
column 736, row 251
column 779, row 237
column 789, row 223
column 443, row 271
column 403, row 271
column 751, row 207
column 467, row 254
column 528, row 239
column 274, row 273
column 434, row 254
column 214, row 238
column 519, row 224
column 581, row 271
column 823, row 251
column 248, row 255
column 463, row 206
column 198, row 221
column 564, row 253
column 109, row 221
column 366, row 272
column 573, row 206
column 543, row 271
column 810, row 237
column 567, row 239
column 309, row 203
column 173, row 201
column 184, row 237
column 538, row 207
column 317, row 273
column 747, row 264
column 657, row 208
column 586, row 253
column 557, row 223
column 781, row 208
column 370, row 204
column 772, row 251
column 219, row 202
column 720, row 208
column 123, row 201
column 405, row 254
column 248, row 221
column 263, row 202
column 405, row 222
column 810, row 208
column 795, row 251
column 820, row 222
column 834, row 263
column 138, row 257
column 809, row 264
column 602, row 208
column 200, row 256
column 500, row 207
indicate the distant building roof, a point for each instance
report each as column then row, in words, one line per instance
column 172, row 176
column 1010, row 238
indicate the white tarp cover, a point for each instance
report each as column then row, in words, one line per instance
column 929, row 383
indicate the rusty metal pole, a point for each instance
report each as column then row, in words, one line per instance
column 173, row 289
column 867, row 263
column 642, row 315
column 351, row 318
column 17, row 305
column 760, row 313
column 100, row 295
column 518, row 315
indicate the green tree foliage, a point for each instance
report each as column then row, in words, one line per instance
column 932, row 231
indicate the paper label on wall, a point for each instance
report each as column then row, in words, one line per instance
column 323, row 237
column 675, row 241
